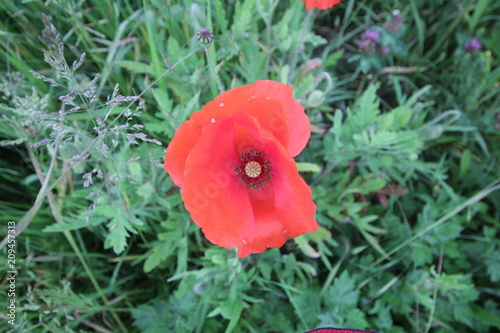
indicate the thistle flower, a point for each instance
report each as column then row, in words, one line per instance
column 473, row 45
column 371, row 35
column 368, row 43
column 395, row 24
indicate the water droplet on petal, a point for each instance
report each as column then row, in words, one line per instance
column 221, row 104
column 285, row 231
column 244, row 240
column 212, row 121
column 267, row 97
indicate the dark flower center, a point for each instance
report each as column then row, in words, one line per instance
column 253, row 169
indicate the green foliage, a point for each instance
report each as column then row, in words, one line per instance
column 402, row 163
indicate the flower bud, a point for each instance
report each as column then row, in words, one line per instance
column 316, row 98
column 205, row 36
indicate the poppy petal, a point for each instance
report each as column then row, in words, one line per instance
column 291, row 197
column 268, row 230
column 294, row 127
column 321, row 4
column 211, row 193
column 270, row 102
column 205, row 157
column 179, row 148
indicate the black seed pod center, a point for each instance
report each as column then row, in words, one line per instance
column 253, row 169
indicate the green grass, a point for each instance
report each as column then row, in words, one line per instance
column 403, row 165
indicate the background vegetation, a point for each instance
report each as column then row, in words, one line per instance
column 403, row 164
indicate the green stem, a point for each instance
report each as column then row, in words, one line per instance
column 295, row 56
column 75, row 248
column 268, row 37
column 211, row 56
column 211, row 64
column 44, row 190
column 57, row 216
column 26, row 220
column 434, row 294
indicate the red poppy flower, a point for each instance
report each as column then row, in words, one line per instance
column 233, row 162
column 321, row 4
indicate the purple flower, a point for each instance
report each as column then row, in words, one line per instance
column 368, row 42
column 395, row 24
column 472, row 45
column 396, row 14
column 384, row 50
column 371, row 35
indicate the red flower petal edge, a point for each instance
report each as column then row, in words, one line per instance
column 321, row 4
column 233, row 162
column 337, row 330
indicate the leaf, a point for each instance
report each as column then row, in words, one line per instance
column 308, row 167
column 148, row 318
column 233, row 312
column 137, row 67
column 159, row 253
column 463, row 313
column 374, row 243
column 244, row 13
column 321, row 234
column 478, row 12
column 356, row 318
column 171, row 316
column 342, row 292
column 485, row 316
column 371, row 185
column 306, row 248
column 423, row 254
column 363, row 223
column 366, row 109
column 117, row 238
column 453, row 281
column 168, row 244
column 493, row 265
column 135, row 169
column 72, row 224
column 145, row 190
column 220, row 16
column 465, row 161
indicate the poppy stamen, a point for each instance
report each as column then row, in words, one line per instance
column 254, row 169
